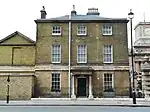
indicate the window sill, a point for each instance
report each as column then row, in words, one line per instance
column 81, row 34
column 81, row 62
column 56, row 62
column 56, row 34
column 107, row 34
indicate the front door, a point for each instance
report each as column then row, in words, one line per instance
column 81, row 90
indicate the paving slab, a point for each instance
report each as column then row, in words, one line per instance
column 78, row 102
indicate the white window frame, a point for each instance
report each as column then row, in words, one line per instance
column 81, row 30
column 78, row 60
column 56, row 30
column 107, row 54
column 53, row 90
column 107, row 29
column 52, row 49
column 112, row 84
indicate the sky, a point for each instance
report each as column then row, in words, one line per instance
column 19, row 15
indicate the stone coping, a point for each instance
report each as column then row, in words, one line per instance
column 16, row 75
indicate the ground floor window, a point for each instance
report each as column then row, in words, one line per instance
column 108, row 81
column 55, row 82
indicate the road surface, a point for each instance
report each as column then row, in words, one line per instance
column 72, row 109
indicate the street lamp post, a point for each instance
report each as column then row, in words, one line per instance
column 131, row 16
column 8, row 80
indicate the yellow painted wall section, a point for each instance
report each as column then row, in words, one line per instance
column 17, row 55
column 24, row 55
column 5, row 55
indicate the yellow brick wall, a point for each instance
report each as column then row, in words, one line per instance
column 24, row 55
column 64, row 82
column 43, row 51
column 94, row 41
column 121, row 82
column 44, row 81
column 20, row 86
column 120, row 79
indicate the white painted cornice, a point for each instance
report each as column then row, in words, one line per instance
column 56, row 67
column 17, row 69
column 63, row 67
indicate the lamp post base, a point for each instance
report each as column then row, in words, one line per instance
column 134, row 97
column 7, row 98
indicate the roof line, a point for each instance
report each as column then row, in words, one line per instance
column 85, row 21
column 17, row 32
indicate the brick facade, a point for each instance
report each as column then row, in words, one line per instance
column 37, row 57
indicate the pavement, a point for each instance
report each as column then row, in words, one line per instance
column 140, row 102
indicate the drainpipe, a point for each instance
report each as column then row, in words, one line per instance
column 69, row 77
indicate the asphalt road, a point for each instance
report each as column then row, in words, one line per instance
column 72, row 109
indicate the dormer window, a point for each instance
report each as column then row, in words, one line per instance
column 107, row 30
column 81, row 30
column 56, row 30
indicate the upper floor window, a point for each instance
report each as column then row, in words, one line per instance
column 108, row 81
column 82, row 30
column 107, row 30
column 82, row 54
column 56, row 30
column 55, row 82
column 56, row 54
column 108, row 54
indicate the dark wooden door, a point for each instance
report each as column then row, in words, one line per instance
column 81, row 90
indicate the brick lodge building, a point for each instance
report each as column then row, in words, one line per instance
column 74, row 56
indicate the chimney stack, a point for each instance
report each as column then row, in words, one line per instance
column 43, row 13
column 93, row 11
column 73, row 12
